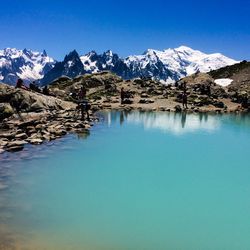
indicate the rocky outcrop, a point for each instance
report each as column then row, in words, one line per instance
column 41, row 127
column 99, row 85
column 239, row 90
column 19, row 100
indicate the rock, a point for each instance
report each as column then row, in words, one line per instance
column 15, row 146
column 5, row 110
column 31, row 122
column 127, row 101
column 3, row 142
column 146, row 101
column 143, row 101
column 219, row 104
column 21, row 136
column 161, row 108
column 9, row 136
column 106, row 106
column 29, row 101
column 144, row 95
column 158, row 92
column 87, row 126
column 178, row 108
column 46, row 137
column 78, row 125
column 16, row 143
column 60, row 132
column 36, row 141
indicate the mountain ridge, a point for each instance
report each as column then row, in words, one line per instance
column 167, row 66
column 26, row 64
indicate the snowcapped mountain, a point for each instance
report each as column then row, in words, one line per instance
column 71, row 66
column 167, row 66
column 172, row 64
column 26, row 64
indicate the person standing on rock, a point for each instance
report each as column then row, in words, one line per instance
column 83, row 104
column 20, row 84
column 46, row 90
column 82, row 93
column 184, row 99
column 122, row 95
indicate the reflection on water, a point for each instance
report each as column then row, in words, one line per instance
column 176, row 123
column 179, row 123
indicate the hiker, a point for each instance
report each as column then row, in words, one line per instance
column 122, row 95
column 34, row 87
column 244, row 102
column 184, row 86
column 184, row 99
column 46, row 90
column 84, row 106
column 82, row 93
column 20, row 84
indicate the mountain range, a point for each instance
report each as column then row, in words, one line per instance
column 26, row 64
column 167, row 66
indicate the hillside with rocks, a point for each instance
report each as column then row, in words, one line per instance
column 30, row 117
column 146, row 94
column 240, row 75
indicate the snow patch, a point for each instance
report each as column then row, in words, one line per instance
column 224, row 82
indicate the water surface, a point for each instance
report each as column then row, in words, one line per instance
column 138, row 181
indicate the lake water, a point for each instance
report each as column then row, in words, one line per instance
column 137, row 181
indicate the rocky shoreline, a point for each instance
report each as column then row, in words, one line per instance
column 28, row 117
column 39, row 128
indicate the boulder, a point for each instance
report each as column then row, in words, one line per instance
column 219, row 104
column 36, row 141
column 21, row 136
column 178, row 108
column 15, row 146
column 5, row 111
column 28, row 101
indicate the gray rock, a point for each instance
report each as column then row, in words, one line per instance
column 15, row 146
column 36, row 141
column 21, row 136
column 5, row 110
column 219, row 104
column 178, row 108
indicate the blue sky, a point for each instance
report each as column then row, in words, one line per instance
column 126, row 27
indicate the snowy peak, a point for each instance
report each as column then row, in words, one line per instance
column 71, row 66
column 181, row 61
column 26, row 64
column 167, row 66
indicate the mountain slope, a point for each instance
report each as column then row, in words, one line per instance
column 172, row 64
column 71, row 66
column 168, row 66
column 239, row 74
column 26, row 64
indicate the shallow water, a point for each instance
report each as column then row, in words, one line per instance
column 138, row 181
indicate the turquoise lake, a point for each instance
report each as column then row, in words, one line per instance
column 138, row 181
